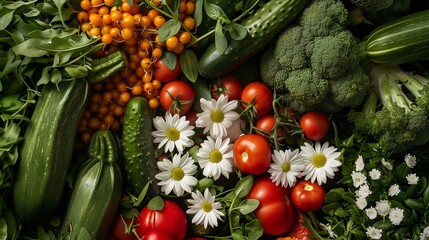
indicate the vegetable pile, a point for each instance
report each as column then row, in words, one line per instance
column 210, row 119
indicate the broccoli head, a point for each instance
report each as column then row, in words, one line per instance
column 315, row 61
column 396, row 112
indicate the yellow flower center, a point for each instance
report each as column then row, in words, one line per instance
column 319, row 160
column 206, row 206
column 285, row 167
column 177, row 174
column 173, row 134
column 217, row 116
column 215, row 156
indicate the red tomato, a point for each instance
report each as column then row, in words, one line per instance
column 266, row 124
column 177, row 97
column 261, row 95
column 228, row 85
column 275, row 211
column 155, row 234
column 171, row 220
column 117, row 230
column 315, row 125
column 300, row 231
column 308, row 196
column 252, row 154
column 163, row 73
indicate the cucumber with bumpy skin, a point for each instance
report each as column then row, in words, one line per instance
column 138, row 149
column 262, row 27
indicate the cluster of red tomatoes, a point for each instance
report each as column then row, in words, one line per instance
column 280, row 208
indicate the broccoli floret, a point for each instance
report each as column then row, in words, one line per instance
column 396, row 112
column 315, row 61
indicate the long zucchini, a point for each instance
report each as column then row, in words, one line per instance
column 137, row 145
column 97, row 190
column 47, row 150
column 402, row 40
column 262, row 28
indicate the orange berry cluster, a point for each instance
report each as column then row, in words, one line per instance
column 134, row 30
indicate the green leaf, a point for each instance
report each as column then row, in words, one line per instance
column 170, row 28
column 76, row 71
column 204, row 183
column 331, row 207
column 189, row 63
column 3, row 229
column 56, row 76
column 83, row 234
column 6, row 17
column 17, row 4
column 415, row 204
column 334, row 195
column 169, row 59
column 221, row 42
column 142, row 195
column 46, row 76
column 214, row 11
column 156, row 203
column 236, row 31
column 238, row 235
column 10, row 103
column 9, row 135
column 29, row 48
column 243, row 186
column 198, row 13
column 248, row 205
column 173, row 4
column 254, row 230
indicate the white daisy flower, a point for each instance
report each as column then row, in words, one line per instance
column 205, row 208
column 359, row 163
column 361, row 203
column 177, row 175
column 285, row 169
column 328, row 228
column 386, row 164
column 382, row 207
column 320, row 162
column 425, row 234
column 374, row 233
column 173, row 132
column 410, row 160
column 371, row 212
column 358, row 179
column 374, row 174
column 215, row 157
column 363, row 191
column 217, row 116
column 394, row 190
column 396, row 215
column 412, row 179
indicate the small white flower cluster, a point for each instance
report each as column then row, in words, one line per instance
column 316, row 163
column 382, row 207
column 174, row 133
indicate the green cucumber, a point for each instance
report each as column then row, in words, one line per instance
column 97, row 190
column 399, row 41
column 138, row 149
column 107, row 66
column 47, row 150
column 262, row 27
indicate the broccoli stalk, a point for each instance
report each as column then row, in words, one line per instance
column 396, row 109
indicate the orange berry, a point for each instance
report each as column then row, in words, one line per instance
column 109, row 2
column 114, row 32
column 125, row 97
column 190, row 8
column 95, row 19
column 106, row 38
column 103, row 11
column 189, row 23
column 147, row 77
column 85, row 4
column 146, row 63
column 86, row 26
column 158, row 21
column 128, row 21
column 156, row 84
column 153, row 103
column 82, row 17
column 185, row 38
column 152, row 13
column 145, row 21
column 127, row 33
column 157, row 53
column 96, row 3
column 137, row 90
column 172, row 42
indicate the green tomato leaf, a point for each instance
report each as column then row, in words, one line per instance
column 243, row 186
column 236, row 31
column 254, row 230
column 189, row 63
column 221, row 42
column 248, row 205
column 169, row 59
column 156, row 203
column 214, row 11
column 170, row 28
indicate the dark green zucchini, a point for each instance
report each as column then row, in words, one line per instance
column 97, row 190
column 47, row 150
column 399, row 41
column 138, row 149
column 262, row 27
